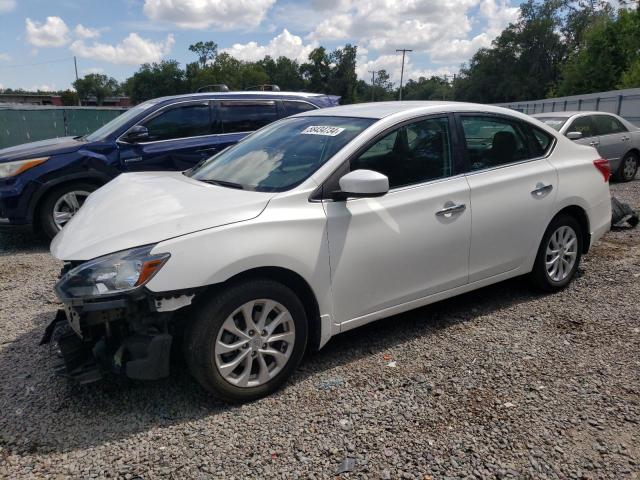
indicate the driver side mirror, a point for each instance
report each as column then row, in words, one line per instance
column 574, row 135
column 362, row 184
column 137, row 133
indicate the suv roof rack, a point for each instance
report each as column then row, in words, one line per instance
column 216, row 87
column 265, row 88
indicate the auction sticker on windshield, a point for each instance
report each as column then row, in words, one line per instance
column 322, row 130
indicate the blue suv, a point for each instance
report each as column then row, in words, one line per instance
column 42, row 184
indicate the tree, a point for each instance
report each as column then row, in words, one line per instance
column 96, row 85
column 317, row 71
column 607, row 58
column 69, row 98
column 156, row 80
column 283, row 72
column 343, row 73
column 524, row 60
column 432, row 88
column 206, row 52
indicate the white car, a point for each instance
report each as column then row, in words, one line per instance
column 615, row 139
column 315, row 225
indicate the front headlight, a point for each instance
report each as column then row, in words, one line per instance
column 11, row 169
column 115, row 273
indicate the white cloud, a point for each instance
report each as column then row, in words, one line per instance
column 133, row 50
column 52, row 33
column 84, row 33
column 5, row 57
column 285, row 44
column 7, row 5
column 42, row 88
column 440, row 28
column 200, row 14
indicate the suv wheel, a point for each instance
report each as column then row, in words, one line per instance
column 628, row 167
column 61, row 204
column 559, row 254
column 246, row 341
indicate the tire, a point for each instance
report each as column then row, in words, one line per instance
column 51, row 202
column 542, row 278
column 628, row 167
column 210, row 329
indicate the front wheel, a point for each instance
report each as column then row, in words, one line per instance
column 628, row 167
column 559, row 254
column 246, row 341
column 61, row 204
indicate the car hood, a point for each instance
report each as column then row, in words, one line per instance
column 43, row 148
column 142, row 208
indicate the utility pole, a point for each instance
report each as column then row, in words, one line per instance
column 373, row 83
column 404, row 51
column 75, row 64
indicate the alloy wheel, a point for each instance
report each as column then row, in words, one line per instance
column 67, row 206
column 630, row 167
column 254, row 343
column 561, row 253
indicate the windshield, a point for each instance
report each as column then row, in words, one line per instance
column 281, row 155
column 554, row 122
column 108, row 128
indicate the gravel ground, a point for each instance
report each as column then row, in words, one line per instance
column 503, row 382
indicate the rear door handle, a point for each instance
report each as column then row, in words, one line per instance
column 451, row 209
column 541, row 189
column 594, row 143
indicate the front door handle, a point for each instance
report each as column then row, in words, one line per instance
column 541, row 189
column 451, row 209
column 624, row 139
column 133, row 160
column 594, row 143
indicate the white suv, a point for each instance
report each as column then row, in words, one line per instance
column 314, row 225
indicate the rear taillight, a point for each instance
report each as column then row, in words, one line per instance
column 602, row 164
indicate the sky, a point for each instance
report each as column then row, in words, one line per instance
column 39, row 38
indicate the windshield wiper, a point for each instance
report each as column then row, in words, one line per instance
column 224, row 183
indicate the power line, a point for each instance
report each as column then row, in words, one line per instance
column 37, row 63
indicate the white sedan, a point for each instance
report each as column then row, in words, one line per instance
column 315, row 225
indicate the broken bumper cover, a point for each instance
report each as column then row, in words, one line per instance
column 126, row 335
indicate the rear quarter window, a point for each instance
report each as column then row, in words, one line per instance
column 542, row 141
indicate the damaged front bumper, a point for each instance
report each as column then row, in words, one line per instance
column 130, row 334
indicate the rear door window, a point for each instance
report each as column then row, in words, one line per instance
column 606, row 125
column 245, row 116
column 494, row 141
column 190, row 120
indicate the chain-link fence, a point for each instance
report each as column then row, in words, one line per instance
column 25, row 123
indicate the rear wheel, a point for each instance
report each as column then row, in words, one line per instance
column 559, row 254
column 246, row 341
column 61, row 204
column 628, row 167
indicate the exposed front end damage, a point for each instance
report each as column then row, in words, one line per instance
column 131, row 334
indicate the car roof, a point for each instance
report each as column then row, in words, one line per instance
column 255, row 94
column 378, row 110
column 568, row 114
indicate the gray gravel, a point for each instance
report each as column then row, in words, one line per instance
column 499, row 383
